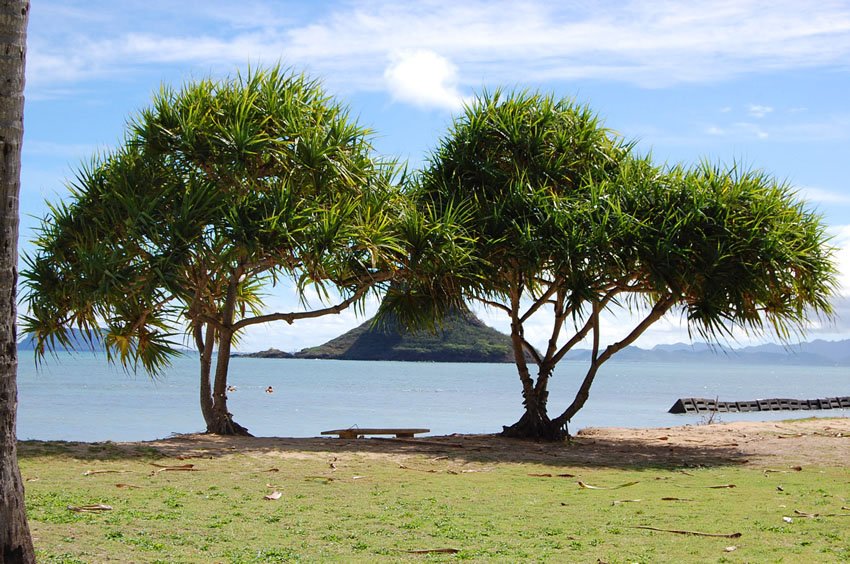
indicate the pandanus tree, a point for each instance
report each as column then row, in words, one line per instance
column 220, row 189
column 568, row 223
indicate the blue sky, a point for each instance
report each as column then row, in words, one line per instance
column 765, row 83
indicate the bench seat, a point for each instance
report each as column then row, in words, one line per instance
column 358, row 432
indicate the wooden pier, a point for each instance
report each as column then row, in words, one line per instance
column 703, row 405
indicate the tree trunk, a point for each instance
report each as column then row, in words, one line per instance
column 205, row 348
column 222, row 422
column 535, row 423
column 15, row 541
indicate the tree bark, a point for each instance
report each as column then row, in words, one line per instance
column 221, row 422
column 205, row 346
column 15, row 540
column 535, row 423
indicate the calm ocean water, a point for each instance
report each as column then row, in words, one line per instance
column 80, row 397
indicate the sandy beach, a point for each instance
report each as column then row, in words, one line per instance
column 821, row 441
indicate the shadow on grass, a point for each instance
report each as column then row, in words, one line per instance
column 602, row 452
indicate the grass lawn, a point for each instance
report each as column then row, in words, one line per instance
column 353, row 506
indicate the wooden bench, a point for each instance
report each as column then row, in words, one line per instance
column 355, row 433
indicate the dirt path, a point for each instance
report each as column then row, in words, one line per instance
column 805, row 442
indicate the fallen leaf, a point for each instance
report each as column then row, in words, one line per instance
column 332, row 466
column 549, row 475
column 815, row 515
column 173, row 466
column 357, row 477
column 780, row 489
column 589, row 487
column 730, row 549
column 663, row 438
column 619, row 501
column 93, row 472
column 90, row 508
column 127, row 486
column 440, row 458
column 717, row 487
column 788, row 519
column 325, row 479
column 272, row 470
column 177, row 468
column 274, row 496
column 797, row 468
column 675, row 499
column 33, row 479
column 434, row 551
column 695, row 533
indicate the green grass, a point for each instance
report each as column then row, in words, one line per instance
column 488, row 511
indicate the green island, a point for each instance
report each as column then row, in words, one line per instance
column 460, row 338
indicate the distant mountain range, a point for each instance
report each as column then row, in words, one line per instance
column 814, row 353
column 78, row 341
column 465, row 338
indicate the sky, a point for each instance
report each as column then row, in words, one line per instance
column 763, row 83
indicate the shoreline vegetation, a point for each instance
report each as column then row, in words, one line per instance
column 613, row 495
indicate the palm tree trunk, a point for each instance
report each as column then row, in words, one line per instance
column 222, row 422
column 15, row 540
column 205, row 348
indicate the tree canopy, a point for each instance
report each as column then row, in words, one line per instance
column 220, row 188
column 568, row 221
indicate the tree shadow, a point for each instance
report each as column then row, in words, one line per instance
column 599, row 452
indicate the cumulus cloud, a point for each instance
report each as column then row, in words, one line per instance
column 759, row 111
column 423, row 78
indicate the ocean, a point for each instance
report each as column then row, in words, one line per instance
column 80, row 397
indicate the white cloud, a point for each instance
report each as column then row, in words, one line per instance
column 821, row 196
column 645, row 43
column 841, row 241
column 739, row 130
column 68, row 151
column 423, row 78
column 758, row 111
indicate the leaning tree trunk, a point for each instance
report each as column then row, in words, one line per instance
column 222, row 422
column 15, row 541
column 205, row 345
